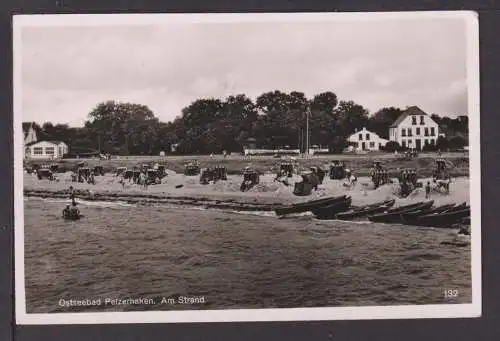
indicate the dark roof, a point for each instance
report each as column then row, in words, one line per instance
column 54, row 142
column 414, row 110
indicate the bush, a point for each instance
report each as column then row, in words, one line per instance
column 392, row 146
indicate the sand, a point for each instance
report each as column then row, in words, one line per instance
column 267, row 191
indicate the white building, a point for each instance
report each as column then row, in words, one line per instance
column 45, row 150
column 365, row 140
column 414, row 129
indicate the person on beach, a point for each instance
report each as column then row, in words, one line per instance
column 428, row 190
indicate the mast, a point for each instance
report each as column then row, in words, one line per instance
column 307, row 129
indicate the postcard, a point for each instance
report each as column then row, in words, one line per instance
column 246, row 167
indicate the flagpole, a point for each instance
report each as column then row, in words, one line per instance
column 307, row 129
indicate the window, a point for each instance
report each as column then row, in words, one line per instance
column 409, row 142
column 37, row 151
column 403, row 132
column 432, row 142
column 372, row 144
column 360, row 137
column 426, row 142
column 414, row 120
column 418, row 131
column 422, row 120
column 410, row 133
column 433, row 133
column 403, row 143
column 367, row 137
column 49, row 150
column 426, row 131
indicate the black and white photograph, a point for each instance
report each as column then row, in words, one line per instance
column 246, row 167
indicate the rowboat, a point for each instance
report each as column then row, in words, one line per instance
column 412, row 216
column 460, row 207
column 308, row 205
column 407, row 207
column 366, row 210
column 330, row 211
column 446, row 219
column 395, row 216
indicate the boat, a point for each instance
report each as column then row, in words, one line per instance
column 308, row 205
column 446, row 219
column 388, row 202
column 406, row 207
column 366, row 210
column 395, row 216
column 462, row 206
column 72, row 214
column 412, row 216
column 330, row 211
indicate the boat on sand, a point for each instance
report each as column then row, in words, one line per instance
column 308, row 205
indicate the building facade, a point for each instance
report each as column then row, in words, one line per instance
column 45, row 150
column 365, row 140
column 414, row 129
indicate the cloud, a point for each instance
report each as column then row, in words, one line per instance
column 66, row 71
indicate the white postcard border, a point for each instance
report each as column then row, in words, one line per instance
column 242, row 315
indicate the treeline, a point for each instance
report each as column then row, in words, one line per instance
column 274, row 120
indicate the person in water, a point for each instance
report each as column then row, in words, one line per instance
column 428, row 190
column 72, row 195
column 66, row 212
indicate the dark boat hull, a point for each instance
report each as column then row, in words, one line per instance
column 308, row 206
column 363, row 212
column 397, row 217
column 443, row 219
column 411, row 217
column 414, row 206
column 329, row 212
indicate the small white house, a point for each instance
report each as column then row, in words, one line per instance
column 46, row 150
column 414, row 129
column 365, row 140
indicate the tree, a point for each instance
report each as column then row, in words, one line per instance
column 123, row 128
column 349, row 116
column 381, row 121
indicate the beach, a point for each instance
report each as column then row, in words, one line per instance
column 227, row 246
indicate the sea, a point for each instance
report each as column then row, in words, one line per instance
column 146, row 257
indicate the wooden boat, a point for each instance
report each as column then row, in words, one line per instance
column 464, row 221
column 396, row 216
column 446, row 219
column 462, row 206
column 330, row 211
column 414, row 206
column 366, row 210
column 412, row 216
column 308, row 205
column 388, row 202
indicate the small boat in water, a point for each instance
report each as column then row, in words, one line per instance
column 330, row 211
column 72, row 213
column 308, row 205
column 446, row 219
column 364, row 211
column 395, row 215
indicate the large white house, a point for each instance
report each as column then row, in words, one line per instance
column 45, row 150
column 365, row 140
column 414, row 129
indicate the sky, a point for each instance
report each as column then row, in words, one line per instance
column 67, row 71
